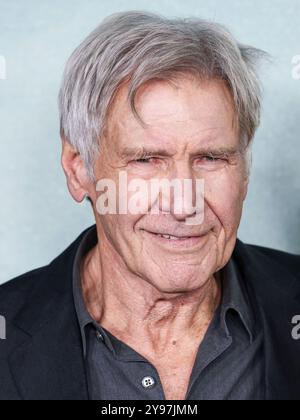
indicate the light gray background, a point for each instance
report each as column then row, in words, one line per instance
column 38, row 217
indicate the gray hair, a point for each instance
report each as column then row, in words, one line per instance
column 137, row 47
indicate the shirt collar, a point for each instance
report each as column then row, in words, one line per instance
column 235, row 298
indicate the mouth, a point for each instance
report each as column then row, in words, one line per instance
column 177, row 241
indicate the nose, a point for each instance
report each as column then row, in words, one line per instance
column 186, row 197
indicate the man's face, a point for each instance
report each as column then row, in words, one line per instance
column 191, row 133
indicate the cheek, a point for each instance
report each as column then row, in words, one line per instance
column 119, row 231
column 225, row 196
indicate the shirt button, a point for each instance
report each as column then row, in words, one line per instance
column 99, row 336
column 148, row 382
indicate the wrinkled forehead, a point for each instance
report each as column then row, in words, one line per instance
column 190, row 111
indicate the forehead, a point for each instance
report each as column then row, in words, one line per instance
column 187, row 112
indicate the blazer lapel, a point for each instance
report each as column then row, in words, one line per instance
column 48, row 362
column 49, row 365
column 276, row 296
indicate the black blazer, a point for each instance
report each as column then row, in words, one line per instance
column 42, row 359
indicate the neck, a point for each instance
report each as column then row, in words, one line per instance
column 130, row 307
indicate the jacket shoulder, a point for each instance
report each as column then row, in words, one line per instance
column 41, row 281
column 290, row 262
column 15, row 292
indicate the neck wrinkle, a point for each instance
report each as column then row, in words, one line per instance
column 138, row 308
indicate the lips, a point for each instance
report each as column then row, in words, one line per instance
column 182, row 244
column 172, row 237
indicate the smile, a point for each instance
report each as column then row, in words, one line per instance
column 177, row 241
column 172, row 238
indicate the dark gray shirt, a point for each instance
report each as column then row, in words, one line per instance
column 229, row 364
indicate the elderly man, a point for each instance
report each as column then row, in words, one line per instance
column 157, row 304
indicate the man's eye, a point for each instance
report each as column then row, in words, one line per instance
column 210, row 159
column 145, row 160
column 211, row 162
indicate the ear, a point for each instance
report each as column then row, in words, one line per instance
column 77, row 178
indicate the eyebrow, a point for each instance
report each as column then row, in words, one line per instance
column 143, row 152
column 138, row 152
